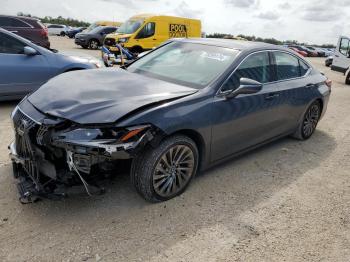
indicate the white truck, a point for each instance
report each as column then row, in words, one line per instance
column 341, row 60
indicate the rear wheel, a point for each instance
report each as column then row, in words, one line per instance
column 62, row 34
column 347, row 79
column 308, row 126
column 162, row 173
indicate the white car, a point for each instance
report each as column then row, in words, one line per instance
column 341, row 60
column 55, row 29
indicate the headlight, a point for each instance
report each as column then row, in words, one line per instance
column 123, row 40
column 105, row 135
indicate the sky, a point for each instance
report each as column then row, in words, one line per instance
column 312, row 21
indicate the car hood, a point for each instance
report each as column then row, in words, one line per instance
column 102, row 95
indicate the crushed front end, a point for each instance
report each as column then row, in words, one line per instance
column 50, row 155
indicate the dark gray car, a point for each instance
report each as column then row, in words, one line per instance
column 94, row 38
column 181, row 108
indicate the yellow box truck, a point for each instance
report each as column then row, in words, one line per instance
column 146, row 31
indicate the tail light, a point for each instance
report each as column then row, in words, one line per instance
column 328, row 83
column 44, row 32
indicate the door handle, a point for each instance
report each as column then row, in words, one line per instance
column 271, row 96
column 336, row 55
column 154, row 38
column 14, row 31
column 310, row 85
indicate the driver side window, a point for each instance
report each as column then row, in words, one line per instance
column 147, row 31
column 344, row 46
column 256, row 67
column 10, row 45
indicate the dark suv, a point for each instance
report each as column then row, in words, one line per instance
column 94, row 38
column 27, row 27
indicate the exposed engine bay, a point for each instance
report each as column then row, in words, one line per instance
column 50, row 154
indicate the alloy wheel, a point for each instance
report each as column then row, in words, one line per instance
column 311, row 119
column 173, row 170
column 93, row 44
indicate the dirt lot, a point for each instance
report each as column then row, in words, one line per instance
column 288, row 201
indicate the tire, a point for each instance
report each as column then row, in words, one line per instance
column 347, row 79
column 156, row 178
column 85, row 46
column 310, row 120
column 62, row 34
column 94, row 44
column 136, row 49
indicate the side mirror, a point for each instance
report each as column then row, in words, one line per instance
column 29, row 51
column 247, row 86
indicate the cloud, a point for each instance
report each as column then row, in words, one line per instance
column 183, row 9
column 322, row 11
column 242, row 3
column 269, row 15
column 285, row 6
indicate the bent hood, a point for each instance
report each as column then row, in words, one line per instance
column 102, row 95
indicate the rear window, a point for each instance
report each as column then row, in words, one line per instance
column 12, row 22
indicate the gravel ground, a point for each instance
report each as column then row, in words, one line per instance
column 288, row 201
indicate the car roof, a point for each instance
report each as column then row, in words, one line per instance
column 20, row 17
column 229, row 43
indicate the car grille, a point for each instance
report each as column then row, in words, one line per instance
column 25, row 130
column 109, row 42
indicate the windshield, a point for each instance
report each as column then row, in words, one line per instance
column 189, row 64
column 91, row 27
column 130, row 26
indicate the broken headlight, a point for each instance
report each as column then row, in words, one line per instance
column 111, row 135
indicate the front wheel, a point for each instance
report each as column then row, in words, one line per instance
column 347, row 79
column 308, row 126
column 162, row 173
column 93, row 44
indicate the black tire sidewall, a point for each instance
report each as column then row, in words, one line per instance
column 302, row 124
column 90, row 43
column 143, row 167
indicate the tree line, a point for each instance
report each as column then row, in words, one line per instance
column 265, row 40
column 58, row 20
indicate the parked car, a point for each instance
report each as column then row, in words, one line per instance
column 319, row 52
column 309, row 52
column 27, row 27
column 329, row 61
column 73, row 31
column 300, row 52
column 61, row 30
column 94, row 38
column 341, row 60
column 179, row 109
column 24, row 66
column 328, row 51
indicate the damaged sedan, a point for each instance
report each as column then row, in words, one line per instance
column 179, row 109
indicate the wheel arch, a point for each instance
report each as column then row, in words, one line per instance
column 197, row 139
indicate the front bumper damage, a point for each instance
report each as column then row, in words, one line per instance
column 47, row 165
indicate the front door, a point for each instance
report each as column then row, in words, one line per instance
column 341, row 60
column 246, row 120
column 20, row 73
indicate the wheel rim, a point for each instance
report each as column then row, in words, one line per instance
column 311, row 119
column 173, row 170
column 94, row 44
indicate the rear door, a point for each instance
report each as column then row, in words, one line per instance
column 296, row 87
column 20, row 73
column 341, row 59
